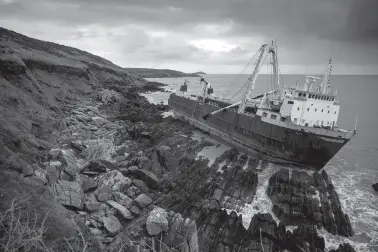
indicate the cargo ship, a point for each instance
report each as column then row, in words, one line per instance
column 294, row 125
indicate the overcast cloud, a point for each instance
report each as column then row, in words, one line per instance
column 215, row 36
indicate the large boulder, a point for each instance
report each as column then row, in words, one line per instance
column 68, row 193
column 112, row 224
column 122, row 211
column 157, row 221
column 143, row 200
column 150, row 178
column 115, row 180
column 69, row 162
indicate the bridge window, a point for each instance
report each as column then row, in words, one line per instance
column 308, row 109
column 322, row 110
column 315, row 110
column 265, row 114
column 328, row 111
column 299, row 94
column 282, row 119
column 304, row 95
column 335, row 112
column 290, row 102
column 272, row 116
column 298, row 108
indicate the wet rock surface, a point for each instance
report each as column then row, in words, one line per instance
column 299, row 198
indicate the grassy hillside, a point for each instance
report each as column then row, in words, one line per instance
column 38, row 81
column 158, row 73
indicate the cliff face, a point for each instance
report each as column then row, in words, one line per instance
column 35, row 78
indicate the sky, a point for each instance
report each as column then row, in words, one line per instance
column 214, row 36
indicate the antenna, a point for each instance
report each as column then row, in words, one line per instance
column 355, row 124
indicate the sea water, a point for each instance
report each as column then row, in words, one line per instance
column 353, row 170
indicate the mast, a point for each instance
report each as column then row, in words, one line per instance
column 326, row 78
column 253, row 78
column 273, row 51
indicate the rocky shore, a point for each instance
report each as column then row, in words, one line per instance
column 106, row 172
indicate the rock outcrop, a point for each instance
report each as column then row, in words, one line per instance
column 299, row 198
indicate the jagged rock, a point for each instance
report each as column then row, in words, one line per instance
column 150, row 178
column 100, row 165
column 89, row 184
column 304, row 199
column 112, row 224
column 115, row 180
column 157, row 221
column 135, row 210
column 68, row 194
column 95, row 166
column 54, row 154
column 375, row 187
column 345, row 247
column 99, row 121
column 78, row 145
column 310, row 235
column 52, row 174
column 182, row 232
column 122, row 211
column 69, row 163
column 41, row 174
column 92, row 206
column 143, row 200
column 103, row 193
column 123, row 199
column 20, row 165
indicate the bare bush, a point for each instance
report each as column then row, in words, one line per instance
column 19, row 231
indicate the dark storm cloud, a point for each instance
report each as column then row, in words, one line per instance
column 306, row 30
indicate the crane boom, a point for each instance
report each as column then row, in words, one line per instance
column 253, row 78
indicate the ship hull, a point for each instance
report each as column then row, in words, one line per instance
column 283, row 144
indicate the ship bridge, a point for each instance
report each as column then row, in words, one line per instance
column 310, row 104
